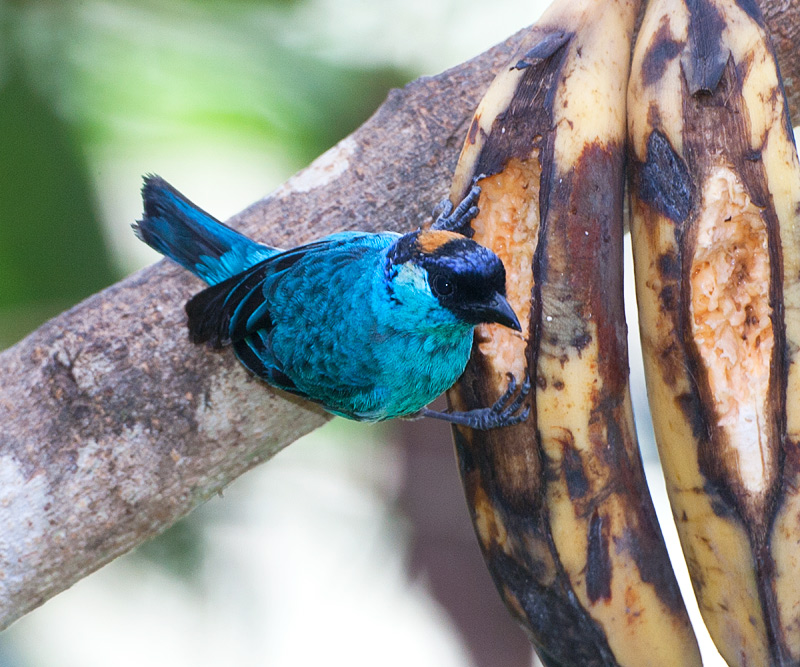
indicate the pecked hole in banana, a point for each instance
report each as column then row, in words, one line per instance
column 508, row 223
column 731, row 321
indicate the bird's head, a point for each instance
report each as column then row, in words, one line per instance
column 449, row 274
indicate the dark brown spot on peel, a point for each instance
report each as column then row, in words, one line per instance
column 669, row 266
column 598, row 562
column 663, row 181
column 692, row 409
column 473, row 130
column 581, row 341
column 642, row 541
column 572, row 469
column 662, row 49
column 721, row 506
column 653, row 115
column 668, row 298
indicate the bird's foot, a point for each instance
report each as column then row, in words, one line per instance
column 504, row 412
column 449, row 219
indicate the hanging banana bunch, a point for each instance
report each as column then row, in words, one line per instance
column 715, row 200
column 559, row 502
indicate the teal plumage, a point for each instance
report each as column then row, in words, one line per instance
column 370, row 326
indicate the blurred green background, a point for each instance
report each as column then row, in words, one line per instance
column 351, row 547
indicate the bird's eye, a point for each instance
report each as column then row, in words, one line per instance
column 442, row 286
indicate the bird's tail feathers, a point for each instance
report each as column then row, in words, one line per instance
column 177, row 228
column 208, row 319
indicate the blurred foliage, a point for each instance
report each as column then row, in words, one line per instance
column 81, row 78
column 51, row 245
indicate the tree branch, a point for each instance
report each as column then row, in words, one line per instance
column 115, row 426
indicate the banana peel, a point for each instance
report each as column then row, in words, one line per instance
column 560, row 503
column 715, row 203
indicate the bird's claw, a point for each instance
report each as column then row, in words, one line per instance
column 505, row 411
column 456, row 219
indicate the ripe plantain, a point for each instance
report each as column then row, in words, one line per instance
column 715, row 201
column 559, row 502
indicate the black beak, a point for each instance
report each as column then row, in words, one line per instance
column 499, row 310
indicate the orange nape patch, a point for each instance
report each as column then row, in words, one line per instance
column 731, row 321
column 430, row 241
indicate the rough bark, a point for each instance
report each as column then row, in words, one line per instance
column 115, row 426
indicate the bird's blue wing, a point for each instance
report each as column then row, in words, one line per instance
column 255, row 352
column 287, row 317
column 234, row 308
column 228, row 311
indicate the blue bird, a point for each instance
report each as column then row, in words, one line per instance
column 370, row 326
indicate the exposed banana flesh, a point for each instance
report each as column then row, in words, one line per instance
column 715, row 202
column 559, row 502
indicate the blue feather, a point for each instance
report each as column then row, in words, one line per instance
column 197, row 241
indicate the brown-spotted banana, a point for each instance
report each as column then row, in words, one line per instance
column 715, row 201
column 559, row 502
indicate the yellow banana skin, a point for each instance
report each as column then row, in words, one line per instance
column 715, row 202
column 559, row 502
